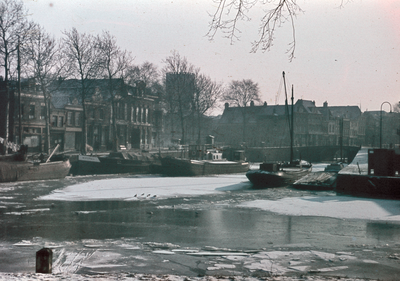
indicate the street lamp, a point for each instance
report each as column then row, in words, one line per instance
column 380, row 135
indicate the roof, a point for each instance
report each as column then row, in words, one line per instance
column 235, row 114
column 348, row 112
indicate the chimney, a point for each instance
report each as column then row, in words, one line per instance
column 226, row 105
column 252, row 103
column 325, row 104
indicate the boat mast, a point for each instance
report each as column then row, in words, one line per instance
column 286, row 102
column 292, row 130
column 289, row 118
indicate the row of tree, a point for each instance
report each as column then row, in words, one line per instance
column 87, row 57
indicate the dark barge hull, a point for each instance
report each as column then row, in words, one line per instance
column 11, row 171
column 368, row 186
column 373, row 173
column 265, row 179
column 93, row 165
column 185, row 167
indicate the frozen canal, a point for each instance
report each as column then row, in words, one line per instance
column 195, row 227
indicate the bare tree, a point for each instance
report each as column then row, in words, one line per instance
column 230, row 12
column 396, row 107
column 14, row 27
column 115, row 62
column 86, row 63
column 146, row 72
column 180, row 77
column 242, row 93
column 206, row 95
column 48, row 66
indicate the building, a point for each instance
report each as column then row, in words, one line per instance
column 134, row 117
column 383, row 129
column 268, row 125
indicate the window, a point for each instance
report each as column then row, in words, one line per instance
column 101, row 114
column 125, row 112
column 54, row 121
column 132, row 112
column 91, row 112
column 117, row 111
column 31, row 111
column 42, row 112
column 77, row 118
column 70, row 119
column 60, row 121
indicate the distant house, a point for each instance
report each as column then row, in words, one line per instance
column 134, row 112
column 268, row 125
column 383, row 129
column 135, row 115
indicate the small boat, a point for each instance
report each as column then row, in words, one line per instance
column 280, row 174
column 18, row 169
column 321, row 180
column 276, row 174
column 213, row 164
column 126, row 162
column 113, row 163
column 317, row 181
column 334, row 167
column 85, row 165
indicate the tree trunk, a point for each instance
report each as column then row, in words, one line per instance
column 47, row 141
column 7, row 101
column 114, row 127
column 84, row 130
column 182, row 122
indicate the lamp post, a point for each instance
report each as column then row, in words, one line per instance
column 380, row 135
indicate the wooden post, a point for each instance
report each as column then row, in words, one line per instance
column 44, row 260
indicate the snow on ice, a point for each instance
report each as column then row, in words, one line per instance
column 155, row 188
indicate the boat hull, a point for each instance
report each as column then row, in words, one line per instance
column 26, row 171
column 186, row 167
column 265, row 179
column 369, row 186
column 93, row 165
column 123, row 166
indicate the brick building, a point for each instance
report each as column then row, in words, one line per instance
column 268, row 125
column 135, row 116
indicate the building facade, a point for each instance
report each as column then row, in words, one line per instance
column 134, row 116
column 268, row 125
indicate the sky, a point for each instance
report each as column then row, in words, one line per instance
column 345, row 54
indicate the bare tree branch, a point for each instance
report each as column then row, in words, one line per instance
column 47, row 65
column 282, row 11
column 85, row 58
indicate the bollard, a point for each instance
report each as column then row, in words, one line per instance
column 44, row 260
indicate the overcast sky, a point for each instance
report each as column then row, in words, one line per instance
column 345, row 56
